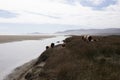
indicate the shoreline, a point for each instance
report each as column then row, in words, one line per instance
column 20, row 70
column 12, row 38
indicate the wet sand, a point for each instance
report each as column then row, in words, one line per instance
column 11, row 38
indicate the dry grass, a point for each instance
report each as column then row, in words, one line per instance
column 81, row 60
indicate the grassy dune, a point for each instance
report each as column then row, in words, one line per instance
column 79, row 60
column 11, row 38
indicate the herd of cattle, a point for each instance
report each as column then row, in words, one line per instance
column 86, row 38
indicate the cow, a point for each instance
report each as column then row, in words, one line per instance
column 63, row 45
column 51, row 46
column 47, row 47
column 87, row 38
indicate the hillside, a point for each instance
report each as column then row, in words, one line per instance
column 78, row 60
column 108, row 31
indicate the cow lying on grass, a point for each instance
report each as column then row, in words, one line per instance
column 51, row 46
column 88, row 38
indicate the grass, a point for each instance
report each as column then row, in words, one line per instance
column 80, row 60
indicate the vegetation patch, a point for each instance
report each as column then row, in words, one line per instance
column 81, row 60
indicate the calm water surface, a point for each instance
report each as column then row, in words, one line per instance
column 14, row 54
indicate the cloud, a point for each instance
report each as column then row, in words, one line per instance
column 64, row 12
column 7, row 14
column 98, row 4
column 43, row 14
column 94, row 4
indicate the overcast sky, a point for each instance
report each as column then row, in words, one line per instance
column 49, row 16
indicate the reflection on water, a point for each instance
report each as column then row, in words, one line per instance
column 17, row 53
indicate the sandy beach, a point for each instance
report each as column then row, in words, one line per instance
column 11, row 38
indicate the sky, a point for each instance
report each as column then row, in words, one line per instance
column 49, row 16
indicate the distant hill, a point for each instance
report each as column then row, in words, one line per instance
column 36, row 33
column 109, row 31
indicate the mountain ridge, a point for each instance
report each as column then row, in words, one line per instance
column 107, row 31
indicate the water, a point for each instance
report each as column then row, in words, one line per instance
column 14, row 54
